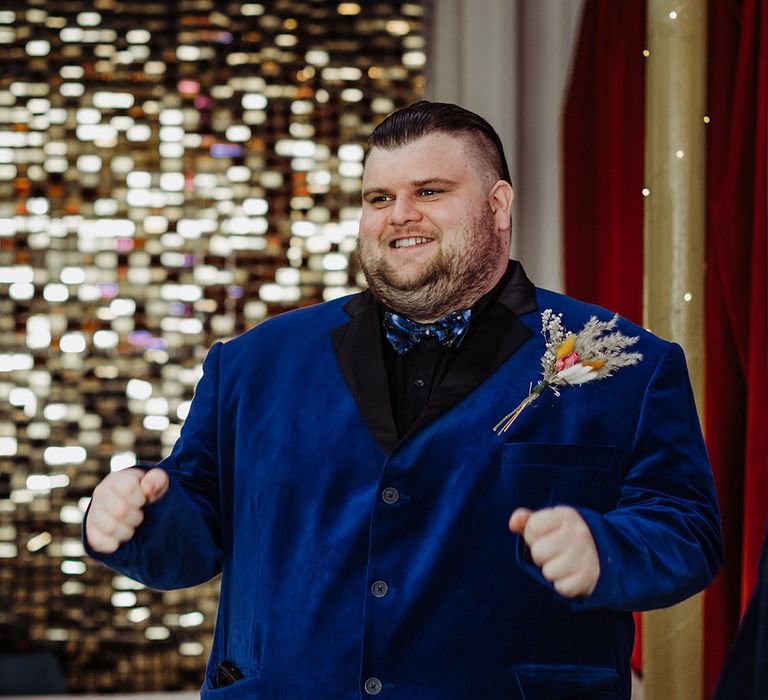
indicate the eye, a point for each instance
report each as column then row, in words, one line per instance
column 429, row 192
column 379, row 199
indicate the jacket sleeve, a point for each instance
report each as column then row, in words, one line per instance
column 178, row 544
column 662, row 542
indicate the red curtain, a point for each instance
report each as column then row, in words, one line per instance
column 736, row 315
column 603, row 140
column 603, row 176
column 603, row 146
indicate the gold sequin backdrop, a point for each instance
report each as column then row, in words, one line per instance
column 171, row 173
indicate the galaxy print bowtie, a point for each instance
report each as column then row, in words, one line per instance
column 403, row 333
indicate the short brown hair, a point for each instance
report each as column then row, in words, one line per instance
column 422, row 118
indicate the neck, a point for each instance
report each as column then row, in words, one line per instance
column 468, row 301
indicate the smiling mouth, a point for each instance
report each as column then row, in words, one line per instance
column 408, row 242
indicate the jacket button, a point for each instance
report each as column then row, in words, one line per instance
column 379, row 589
column 372, row 686
column 390, row 495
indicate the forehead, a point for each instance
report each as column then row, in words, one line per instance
column 436, row 155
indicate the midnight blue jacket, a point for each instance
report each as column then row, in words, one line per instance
column 356, row 564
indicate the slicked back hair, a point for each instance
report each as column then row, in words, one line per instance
column 423, row 118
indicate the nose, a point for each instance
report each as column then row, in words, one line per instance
column 404, row 211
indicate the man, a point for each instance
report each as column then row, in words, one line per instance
column 374, row 533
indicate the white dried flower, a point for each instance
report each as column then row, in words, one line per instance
column 573, row 359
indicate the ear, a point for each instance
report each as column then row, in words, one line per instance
column 500, row 198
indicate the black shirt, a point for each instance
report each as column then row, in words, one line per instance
column 416, row 375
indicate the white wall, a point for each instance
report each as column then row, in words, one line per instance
column 509, row 60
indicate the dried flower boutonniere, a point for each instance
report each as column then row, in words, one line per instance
column 570, row 359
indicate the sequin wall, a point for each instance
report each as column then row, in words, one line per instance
column 171, row 173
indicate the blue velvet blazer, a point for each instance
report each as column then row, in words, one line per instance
column 355, row 564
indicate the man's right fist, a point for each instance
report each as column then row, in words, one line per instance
column 117, row 506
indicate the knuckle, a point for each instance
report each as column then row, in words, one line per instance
column 108, row 527
column 121, row 510
column 546, row 570
column 125, row 486
column 123, row 533
column 103, row 543
column 537, row 554
column 116, row 529
column 134, row 520
column 533, row 520
column 583, row 534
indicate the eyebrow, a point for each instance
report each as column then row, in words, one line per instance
column 434, row 181
column 445, row 182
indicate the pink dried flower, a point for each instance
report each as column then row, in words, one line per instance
column 568, row 361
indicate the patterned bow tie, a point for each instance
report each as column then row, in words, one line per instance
column 404, row 333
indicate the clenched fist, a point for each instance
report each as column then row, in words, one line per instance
column 117, row 506
column 562, row 545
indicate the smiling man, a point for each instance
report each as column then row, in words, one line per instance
column 435, row 229
column 375, row 534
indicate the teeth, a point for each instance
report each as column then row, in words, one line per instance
column 404, row 242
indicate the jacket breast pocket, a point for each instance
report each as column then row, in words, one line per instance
column 539, row 475
column 566, row 682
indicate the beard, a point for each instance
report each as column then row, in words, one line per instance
column 458, row 275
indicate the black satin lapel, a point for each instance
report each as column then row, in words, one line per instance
column 487, row 346
column 357, row 345
column 519, row 295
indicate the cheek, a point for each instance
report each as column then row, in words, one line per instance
column 447, row 218
column 371, row 226
column 366, row 242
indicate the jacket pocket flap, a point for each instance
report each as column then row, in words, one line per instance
column 553, row 681
column 576, row 455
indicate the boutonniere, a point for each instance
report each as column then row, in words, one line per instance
column 595, row 352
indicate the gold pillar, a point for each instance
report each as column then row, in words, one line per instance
column 673, row 285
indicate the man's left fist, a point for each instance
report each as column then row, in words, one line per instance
column 562, row 545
